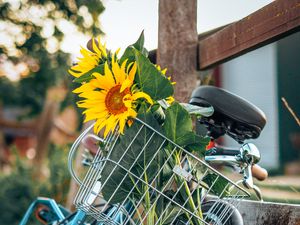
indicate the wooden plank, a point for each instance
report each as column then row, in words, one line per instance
column 20, row 128
column 267, row 213
column 271, row 23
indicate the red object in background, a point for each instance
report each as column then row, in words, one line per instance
column 210, row 145
column 24, row 143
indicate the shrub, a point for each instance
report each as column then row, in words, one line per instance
column 20, row 188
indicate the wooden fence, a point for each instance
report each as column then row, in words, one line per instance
column 180, row 50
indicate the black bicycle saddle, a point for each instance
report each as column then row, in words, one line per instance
column 232, row 114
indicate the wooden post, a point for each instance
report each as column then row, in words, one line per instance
column 177, row 44
column 43, row 136
column 45, row 124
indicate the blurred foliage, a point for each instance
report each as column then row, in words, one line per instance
column 17, row 190
column 33, row 34
column 20, row 188
column 58, row 184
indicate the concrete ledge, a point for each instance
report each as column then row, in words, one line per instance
column 268, row 213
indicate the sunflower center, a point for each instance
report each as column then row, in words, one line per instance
column 114, row 100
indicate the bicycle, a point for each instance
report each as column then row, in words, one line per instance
column 218, row 205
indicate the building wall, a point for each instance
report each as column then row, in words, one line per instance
column 288, row 67
column 253, row 76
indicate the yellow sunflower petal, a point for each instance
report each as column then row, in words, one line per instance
column 164, row 71
column 118, row 73
column 127, row 101
column 84, row 52
column 92, row 105
column 95, row 47
column 132, row 72
column 118, row 50
column 170, row 100
column 104, row 82
column 93, row 116
column 75, row 74
column 138, row 95
column 102, row 48
column 93, row 95
column 108, row 74
column 123, row 66
column 99, row 125
column 84, row 88
column 122, row 122
column 132, row 113
column 111, row 123
column 126, row 84
column 128, row 67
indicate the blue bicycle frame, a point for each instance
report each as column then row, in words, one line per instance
column 59, row 213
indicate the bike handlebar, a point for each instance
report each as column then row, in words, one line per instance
column 90, row 143
column 259, row 173
column 222, row 155
column 222, row 151
column 73, row 151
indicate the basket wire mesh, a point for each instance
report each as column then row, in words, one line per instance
column 115, row 189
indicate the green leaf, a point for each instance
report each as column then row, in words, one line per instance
column 196, row 143
column 219, row 184
column 133, row 160
column 177, row 124
column 198, row 110
column 170, row 214
column 139, row 44
column 88, row 75
column 158, row 113
column 178, row 127
column 151, row 80
column 129, row 53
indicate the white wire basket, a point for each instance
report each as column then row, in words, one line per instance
column 144, row 178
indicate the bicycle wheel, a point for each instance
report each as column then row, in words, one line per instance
column 221, row 214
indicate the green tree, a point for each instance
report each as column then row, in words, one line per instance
column 31, row 40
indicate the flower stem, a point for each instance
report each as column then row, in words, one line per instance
column 151, row 214
column 196, row 210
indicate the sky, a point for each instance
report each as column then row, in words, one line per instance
column 123, row 20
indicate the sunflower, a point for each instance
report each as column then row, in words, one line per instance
column 111, row 98
column 89, row 59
